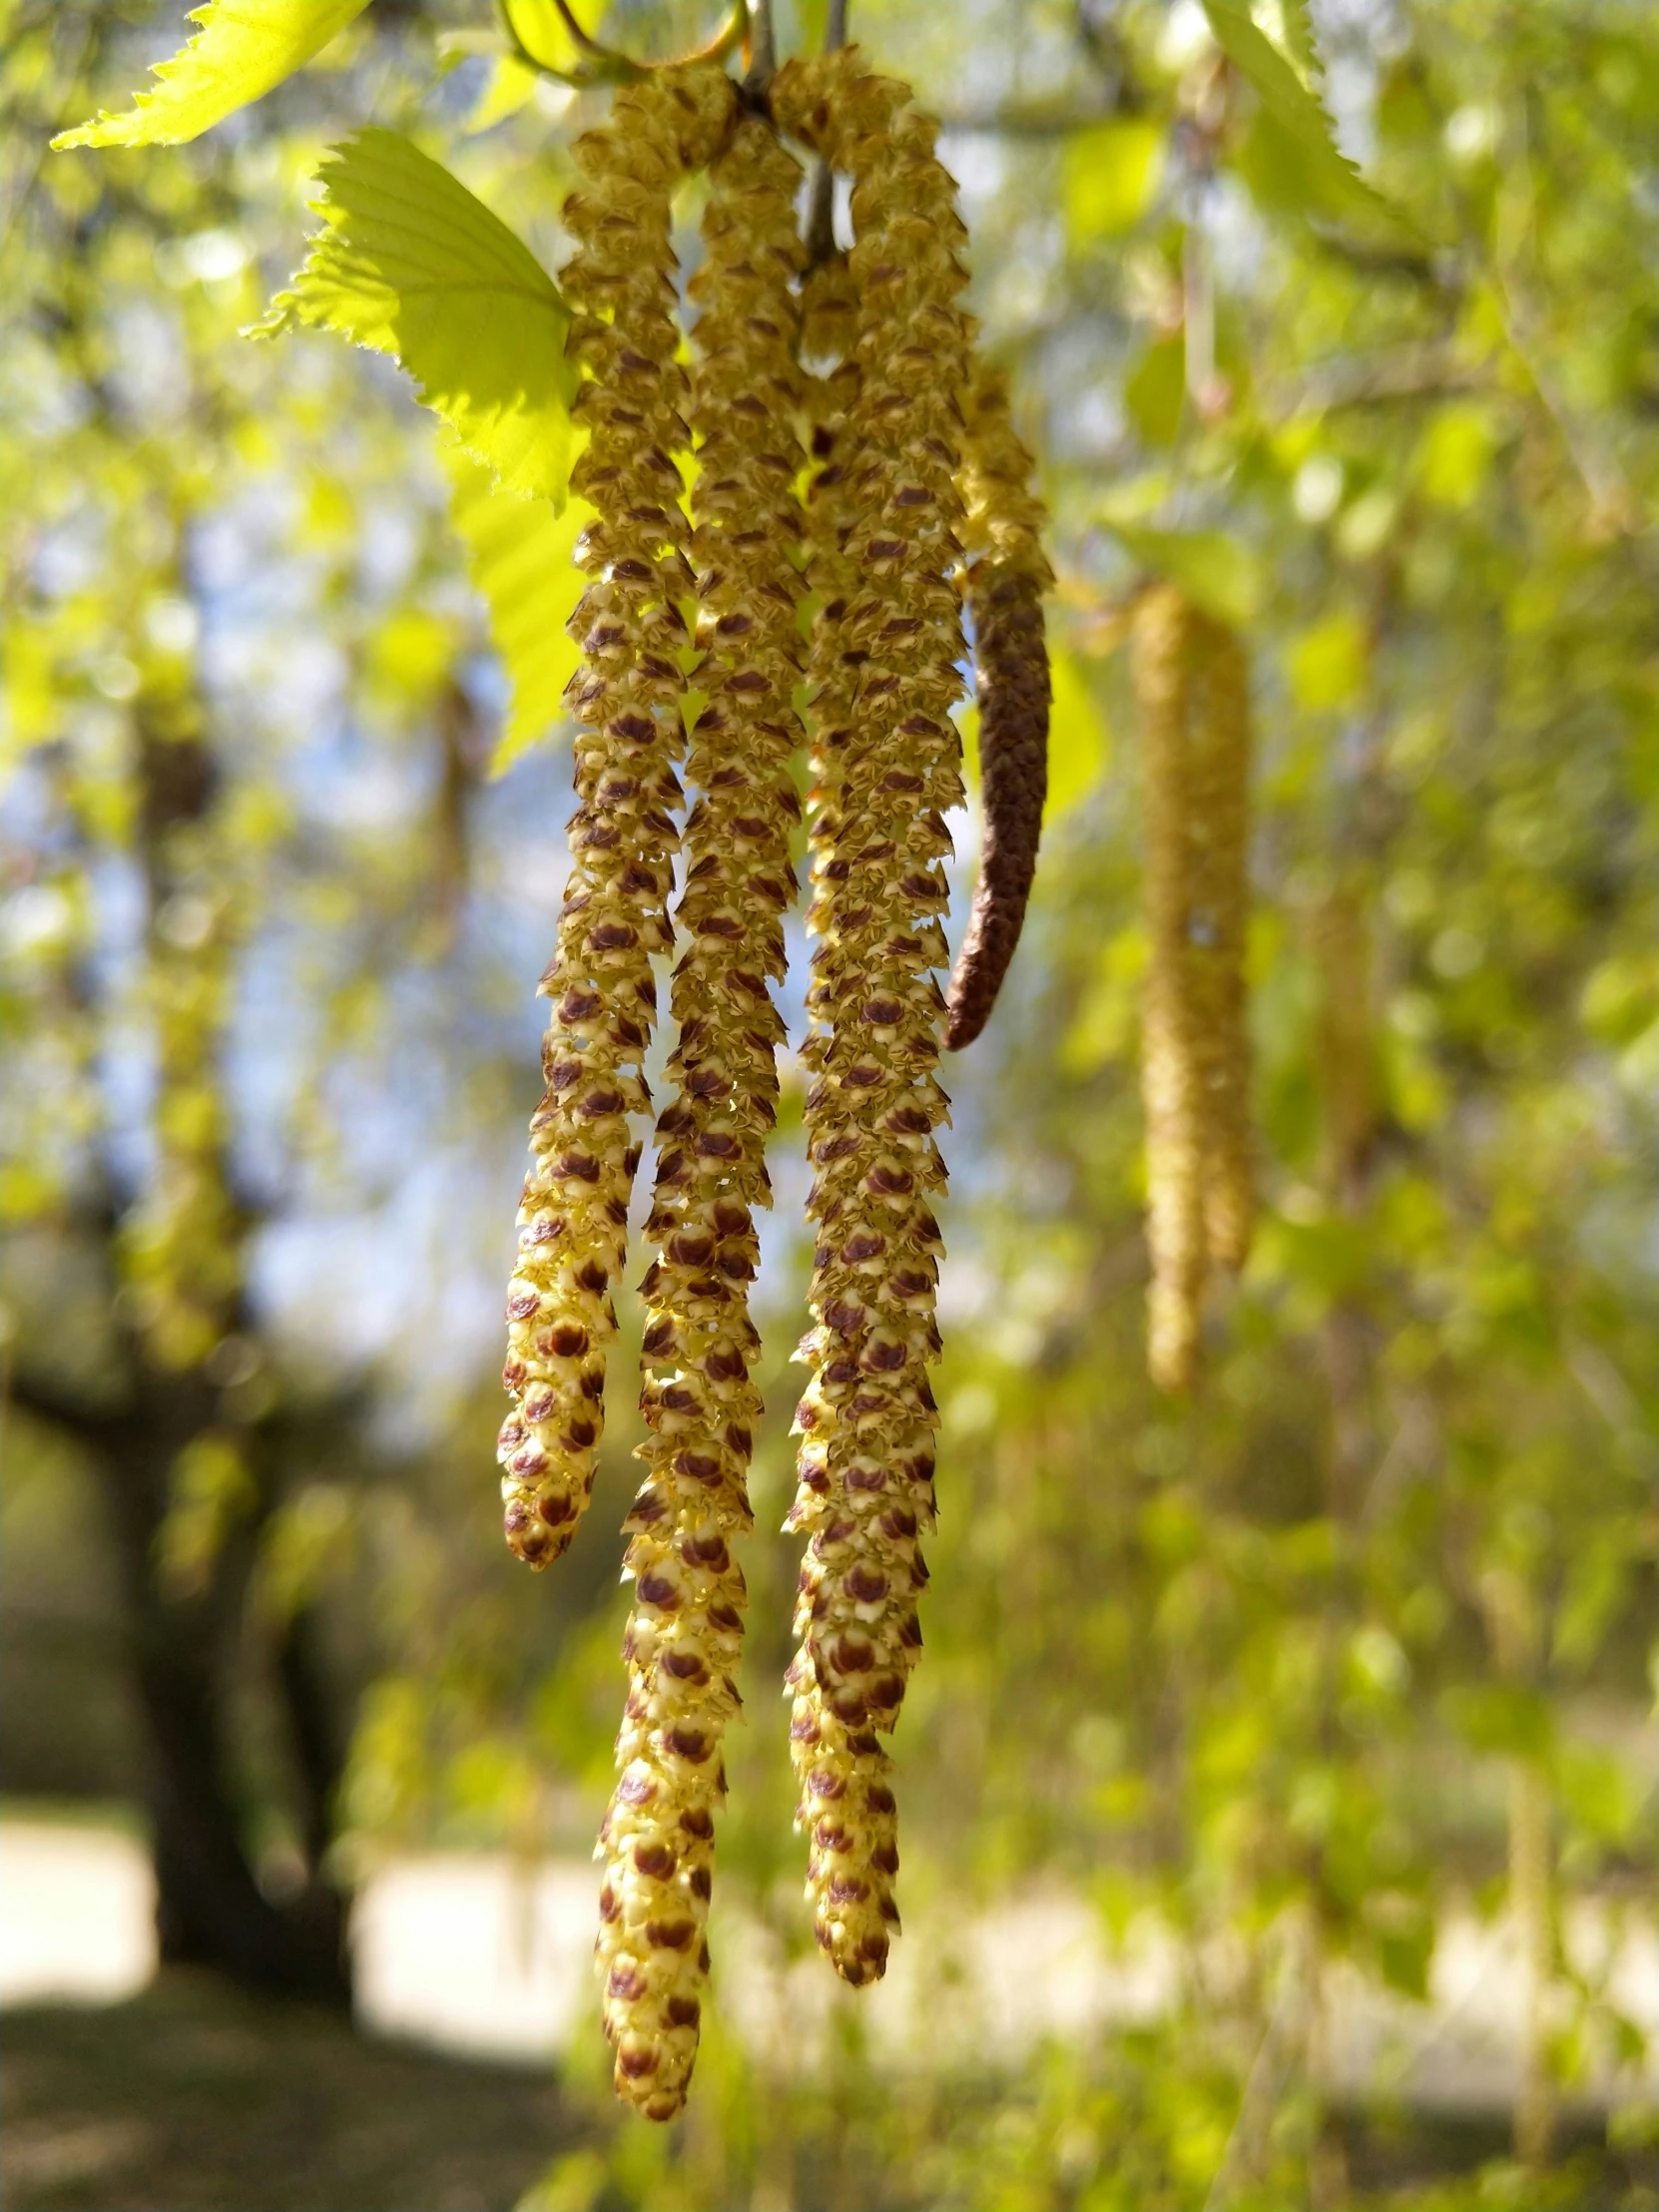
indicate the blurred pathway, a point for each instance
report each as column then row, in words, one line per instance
column 473, row 1954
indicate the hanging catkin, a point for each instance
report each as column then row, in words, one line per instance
column 886, row 768
column 1002, row 530
column 685, row 1624
column 1347, row 1052
column 1218, row 919
column 573, row 1220
column 1192, row 684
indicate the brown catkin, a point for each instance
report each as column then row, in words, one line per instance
column 625, row 696
column 1002, row 531
column 698, row 1403
column 1191, row 683
column 887, row 766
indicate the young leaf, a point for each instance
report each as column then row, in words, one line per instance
column 1214, row 571
column 242, row 50
column 519, row 552
column 1329, row 179
column 411, row 263
column 1078, row 741
column 1112, row 174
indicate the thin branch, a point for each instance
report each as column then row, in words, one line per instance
column 762, row 45
column 1411, row 372
column 580, row 38
column 1032, row 122
column 820, row 214
column 607, row 64
column 63, row 1408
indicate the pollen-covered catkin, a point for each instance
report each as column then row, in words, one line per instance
column 1191, row 683
column 698, row 1403
column 885, row 765
column 624, row 697
column 1002, row 532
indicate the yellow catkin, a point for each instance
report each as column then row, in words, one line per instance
column 573, row 1219
column 887, row 766
column 1191, row 683
column 1218, row 919
column 698, row 1403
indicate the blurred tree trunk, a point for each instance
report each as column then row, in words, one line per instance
column 182, row 1648
column 209, row 1909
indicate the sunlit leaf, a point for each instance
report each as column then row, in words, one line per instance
column 1327, row 661
column 1216, row 572
column 1155, row 391
column 509, row 86
column 542, row 32
column 1455, row 454
column 240, row 53
column 411, row 263
column 1330, row 183
column 519, row 552
column 1112, row 174
column 1077, row 737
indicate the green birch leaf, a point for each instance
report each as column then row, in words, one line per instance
column 1078, row 741
column 1216, row 572
column 1328, row 179
column 242, row 50
column 410, row 263
column 520, row 554
column 1298, row 35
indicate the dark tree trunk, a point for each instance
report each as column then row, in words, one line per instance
column 209, row 1908
column 313, row 1733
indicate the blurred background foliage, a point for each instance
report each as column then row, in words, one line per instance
column 1281, row 1681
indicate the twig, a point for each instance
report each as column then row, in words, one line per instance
column 762, row 45
column 820, row 213
column 587, row 44
column 1032, row 122
column 607, row 64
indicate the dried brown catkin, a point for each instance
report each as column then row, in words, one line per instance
column 886, row 764
column 1002, row 532
column 573, row 1219
column 1191, row 683
column 685, row 1627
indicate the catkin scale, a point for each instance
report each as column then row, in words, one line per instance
column 699, row 1345
column 885, row 766
column 624, row 697
column 1192, row 688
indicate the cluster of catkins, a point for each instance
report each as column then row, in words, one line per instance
column 1192, row 683
column 854, row 378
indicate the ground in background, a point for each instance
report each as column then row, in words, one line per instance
column 192, row 2099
